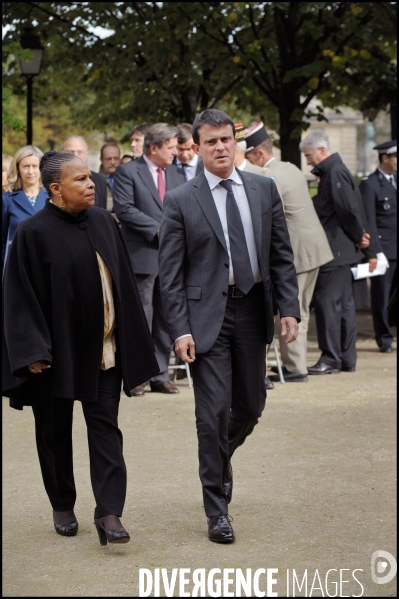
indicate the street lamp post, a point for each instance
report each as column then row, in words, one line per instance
column 31, row 68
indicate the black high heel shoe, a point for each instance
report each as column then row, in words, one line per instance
column 110, row 536
column 69, row 529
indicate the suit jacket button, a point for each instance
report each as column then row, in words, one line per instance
column 226, row 265
column 224, row 293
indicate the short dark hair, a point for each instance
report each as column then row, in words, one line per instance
column 109, row 144
column 157, row 134
column 142, row 128
column 184, row 132
column 52, row 165
column 213, row 117
column 380, row 156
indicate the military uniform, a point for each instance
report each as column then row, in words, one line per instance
column 309, row 244
column 379, row 197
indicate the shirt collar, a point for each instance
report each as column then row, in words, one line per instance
column 192, row 162
column 269, row 161
column 242, row 165
column 214, row 180
column 151, row 165
column 387, row 177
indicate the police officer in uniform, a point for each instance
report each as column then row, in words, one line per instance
column 379, row 197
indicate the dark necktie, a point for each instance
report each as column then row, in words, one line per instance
column 392, row 181
column 184, row 167
column 111, row 181
column 161, row 184
column 243, row 276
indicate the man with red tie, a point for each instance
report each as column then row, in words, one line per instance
column 139, row 189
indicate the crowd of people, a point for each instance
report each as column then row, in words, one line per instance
column 202, row 242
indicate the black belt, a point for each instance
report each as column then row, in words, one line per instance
column 236, row 293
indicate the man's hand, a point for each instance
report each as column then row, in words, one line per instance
column 365, row 242
column 185, row 349
column 289, row 327
column 372, row 264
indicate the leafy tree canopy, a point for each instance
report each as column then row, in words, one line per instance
column 115, row 63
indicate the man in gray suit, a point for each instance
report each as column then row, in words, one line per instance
column 308, row 239
column 138, row 192
column 223, row 244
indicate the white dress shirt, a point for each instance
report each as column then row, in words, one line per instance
column 219, row 195
column 389, row 178
column 243, row 164
column 190, row 168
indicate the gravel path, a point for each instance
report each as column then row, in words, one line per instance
column 314, row 490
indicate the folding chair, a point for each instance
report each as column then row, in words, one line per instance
column 275, row 362
column 185, row 366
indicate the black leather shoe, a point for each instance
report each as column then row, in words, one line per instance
column 220, row 530
column 290, row 377
column 166, row 387
column 386, row 349
column 228, row 484
column 322, row 368
column 268, row 383
column 348, row 368
column 138, row 391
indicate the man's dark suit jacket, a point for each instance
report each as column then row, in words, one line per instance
column 139, row 209
column 100, row 192
column 194, row 263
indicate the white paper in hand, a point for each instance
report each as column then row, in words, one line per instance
column 362, row 271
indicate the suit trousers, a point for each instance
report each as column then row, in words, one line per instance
column 150, row 295
column 294, row 354
column 230, row 394
column 53, row 424
column 336, row 317
column 379, row 295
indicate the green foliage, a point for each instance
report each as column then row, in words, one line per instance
column 167, row 61
column 11, row 53
column 8, row 117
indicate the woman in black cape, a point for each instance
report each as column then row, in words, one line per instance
column 74, row 329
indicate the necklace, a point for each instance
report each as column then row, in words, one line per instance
column 32, row 199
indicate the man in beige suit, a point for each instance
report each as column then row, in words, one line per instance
column 244, row 165
column 308, row 239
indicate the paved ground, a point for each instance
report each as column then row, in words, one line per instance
column 314, row 489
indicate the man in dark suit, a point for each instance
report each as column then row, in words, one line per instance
column 138, row 193
column 223, row 244
column 379, row 193
column 75, row 144
column 338, row 205
column 186, row 159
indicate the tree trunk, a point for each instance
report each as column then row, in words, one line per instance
column 189, row 98
column 290, row 136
